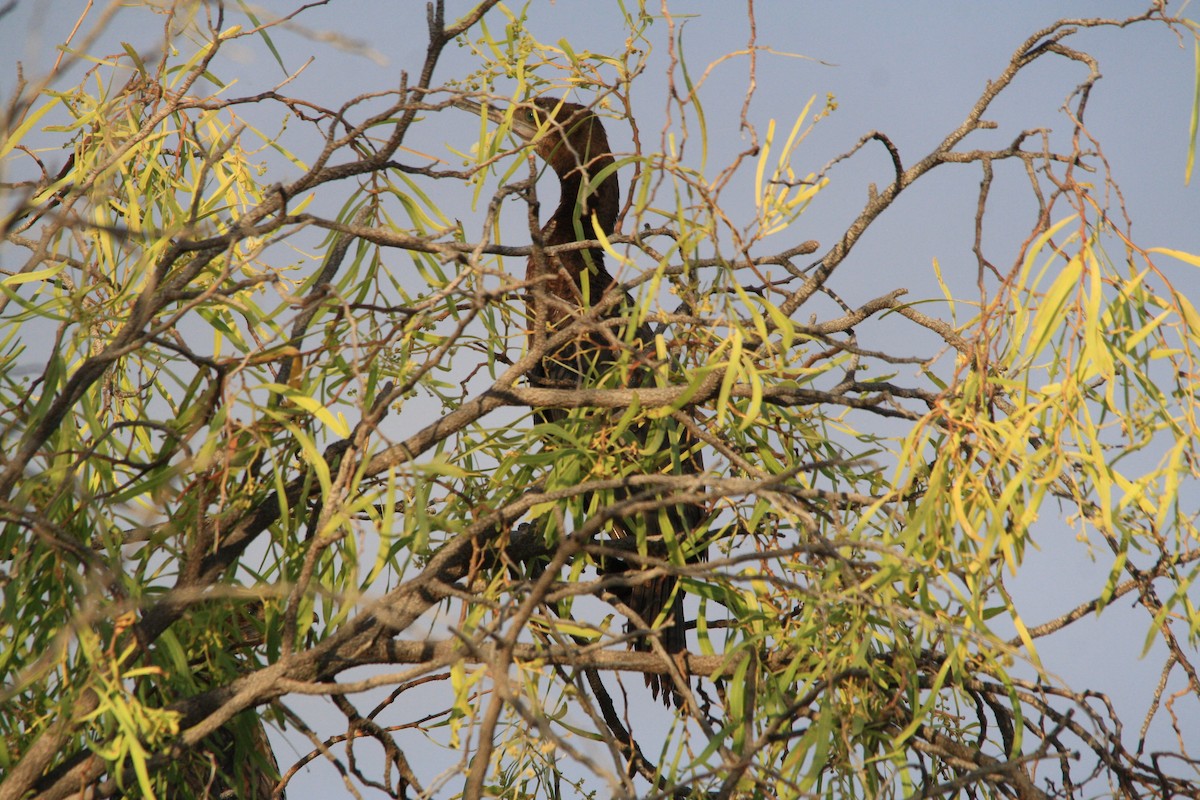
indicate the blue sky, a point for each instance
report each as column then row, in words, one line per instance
column 911, row 70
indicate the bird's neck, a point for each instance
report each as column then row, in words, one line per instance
column 593, row 209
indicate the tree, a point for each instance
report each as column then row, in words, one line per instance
column 268, row 433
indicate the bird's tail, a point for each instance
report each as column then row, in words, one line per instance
column 649, row 600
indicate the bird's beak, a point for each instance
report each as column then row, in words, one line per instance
column 503, row 118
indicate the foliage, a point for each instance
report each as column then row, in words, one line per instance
column 266, row 433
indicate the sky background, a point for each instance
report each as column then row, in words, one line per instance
column 911, row 70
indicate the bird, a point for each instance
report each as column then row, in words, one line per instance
column 236, row 760
column 572, row 141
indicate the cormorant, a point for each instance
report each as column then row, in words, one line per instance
column 571, row 140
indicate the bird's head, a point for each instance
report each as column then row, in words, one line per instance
column 566, row 135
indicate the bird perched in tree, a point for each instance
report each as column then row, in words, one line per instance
column 571, row 140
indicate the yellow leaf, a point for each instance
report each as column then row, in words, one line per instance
column 35, row 275
column 337, row 424
column 19, row 134
column 731, row 373
column 1049, row 313
column 762, row 164
column 1182, row 255
column 606, row 244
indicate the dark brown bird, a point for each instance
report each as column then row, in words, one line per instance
column 571, row 140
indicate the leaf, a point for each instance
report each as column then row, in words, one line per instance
column 567, row 51
column 1049, row 313
column 574, row 629
column 313, row 457
column 35, row 275
column 754, row 407
column 1026, row 639
column 337, row 424
column 763, row 154
column 1187, row 258
column 263, row 33
column 732, row 370
column 607, row 245
column 18, row 136
column 440, row 467
column 1190, row 317
column 1195, row 120
column 135, row 57
column 783, row 324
